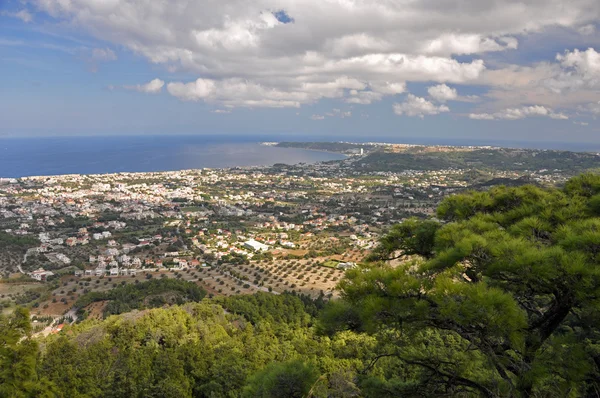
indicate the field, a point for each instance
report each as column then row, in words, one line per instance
column 286, row 272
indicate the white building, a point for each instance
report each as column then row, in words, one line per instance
column 256, row 246
column 348, row 265
column 40, row 274
column 63, row 258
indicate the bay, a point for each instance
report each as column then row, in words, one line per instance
column 111, row 154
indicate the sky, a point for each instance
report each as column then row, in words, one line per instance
column 467, row 69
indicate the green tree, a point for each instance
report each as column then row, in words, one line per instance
column 19, row 359
column 411, row 237
column 291, row 379
column 506, row 303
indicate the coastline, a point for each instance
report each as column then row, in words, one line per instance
column 26, row 158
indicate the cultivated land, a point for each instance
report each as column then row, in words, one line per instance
column 292, row 228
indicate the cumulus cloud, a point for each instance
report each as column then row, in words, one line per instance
column 571, row 81
column 468, row 44
column 201, row 88
column 442, row 93
column 519, row 113
column 152, row 87
column 417, row 106
column 584, row 63
column 481, row 116
column 339, row 113
column 297, row 53
column 334, row 113
column 593, row 107
column 237, row 92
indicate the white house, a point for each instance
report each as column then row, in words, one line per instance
column 40, row 274
column 348, row 265
column 256, row 246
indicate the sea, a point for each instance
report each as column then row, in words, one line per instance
column 21, row 157
column 37, row 156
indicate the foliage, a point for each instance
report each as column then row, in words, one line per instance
column 500, row 298
column 199, row 349
column 420, row 158
column 505, row 302
column 291, row 379
column 149, row 294
column 411, row 237
column 284, row 310
column 27, row 296
column 17, row 241
column 19, row 358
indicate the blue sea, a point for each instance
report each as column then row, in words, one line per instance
column 99, row 155
column 36, row 156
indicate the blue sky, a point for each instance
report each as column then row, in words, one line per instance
column 526, row 71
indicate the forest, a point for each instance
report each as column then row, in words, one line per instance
column 151, row 294
column 495, row 159
column 497, row 296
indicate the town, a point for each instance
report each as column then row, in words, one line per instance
column 283, row 228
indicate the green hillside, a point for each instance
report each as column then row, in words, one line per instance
column 498, row 296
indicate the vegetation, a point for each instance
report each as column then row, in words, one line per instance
column 150, row 294
column 199, row 349
column 419, row 158
column 504, row 304
column 18, row 359
column 499, row 298
column 15, row 241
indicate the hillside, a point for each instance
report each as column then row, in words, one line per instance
column 496, row 297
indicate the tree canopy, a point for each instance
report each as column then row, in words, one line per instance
column 503, row 302
column 149, row 294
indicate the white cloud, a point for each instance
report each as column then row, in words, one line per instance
column 581, row 123
column 558, row 116
column 417, row 106
column 339, row 113
column 585, row 64
column 152, row 87
column 201, row 88
column 94, row 56
column 481, row 116
column 468, row 44
column 519, row 113
column 237, row 92
column 317, row 117
column 23, row 15
column 575, row 70
column 353, row 50
column 442, row 93
column 571, row 82
column 363, row 97
column 587, row 30
column 103, row 54
column 388, row 88
column 593, row 107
